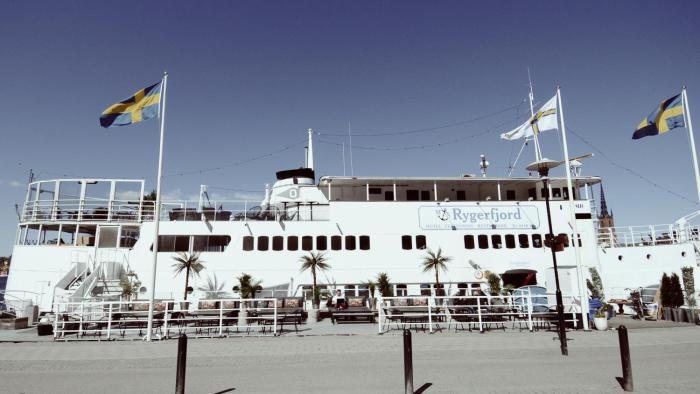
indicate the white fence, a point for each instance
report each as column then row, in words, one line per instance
column 482, row 313
column 661, row 234
column 211, row 318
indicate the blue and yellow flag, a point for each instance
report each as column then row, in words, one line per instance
column 141, row 106
column 666, row 117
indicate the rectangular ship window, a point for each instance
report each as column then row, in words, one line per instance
column 389, row 195
column 248, row 243
column 469, row 242
column 336, row 242
column 523, row 240
column 364, row 242
column 461, row 195
column 510, row 195
column 510, row 241
column 375, row 190
column 406, row 242
column 263, row 243
column 483, row 241
column 412, row 195
column 350, row 242
column 321, row 242
column 536, row 241
column 496, row 241
column 278, row 243
column 420, row 242
column 292, row 242
column 425, row 195
column 210, row 243
column 307, row 242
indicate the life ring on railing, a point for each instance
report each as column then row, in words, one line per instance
column 479, row 274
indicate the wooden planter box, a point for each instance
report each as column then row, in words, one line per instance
column 14, row 323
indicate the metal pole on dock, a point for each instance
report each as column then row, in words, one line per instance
column 407, row 362
column 626, row 382
column 181, row 364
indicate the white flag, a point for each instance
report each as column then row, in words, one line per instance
column 543, row 120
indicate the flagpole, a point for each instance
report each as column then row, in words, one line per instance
column 572, row 217
column 689, row 126
column 531, row 96
column 156, row 214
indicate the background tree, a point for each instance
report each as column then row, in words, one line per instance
column 435, row 262
column 314, row 262
column 190, row 263
column 689, row 286
column 595, row 285
column 676, row 291
column 213, row 289
column 384, row 285
column 666, row 296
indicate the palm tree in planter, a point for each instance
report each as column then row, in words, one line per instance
column 314, row 262
column 191, row 264
column 384, row 285
column 248, row 286
column 213, row 290
column 435, row 261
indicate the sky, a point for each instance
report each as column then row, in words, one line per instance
column 443, row 79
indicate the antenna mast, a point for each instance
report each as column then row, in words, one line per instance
column 352, row 169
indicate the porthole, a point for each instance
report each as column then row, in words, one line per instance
column 648, row 256
column 682, row 254
column 619, row 257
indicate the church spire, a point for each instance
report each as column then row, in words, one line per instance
column 603, row 203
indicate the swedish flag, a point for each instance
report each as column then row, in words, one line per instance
column 666, row 117
column 141, row 106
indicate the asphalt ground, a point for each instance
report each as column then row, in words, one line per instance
column 664, row 360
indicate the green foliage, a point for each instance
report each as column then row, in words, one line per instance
column 689, row 285
column 314, row 262
column 190, row 263
column 600, row 312
column 597, row 283
column 371, row 286
column 384, row 285
column 435, row 261
column 666, row 296
column 150, row 196
column 213, row 289
column 676, row 291
column 248, row 286
column 128, row 288
column 494, row 282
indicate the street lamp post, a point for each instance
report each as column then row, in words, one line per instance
column 542, row 167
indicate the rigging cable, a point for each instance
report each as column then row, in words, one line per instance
column 640, row 176
column 424, row 130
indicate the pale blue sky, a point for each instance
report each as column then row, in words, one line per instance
column 248, row 78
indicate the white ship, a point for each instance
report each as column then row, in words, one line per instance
column 77, row 238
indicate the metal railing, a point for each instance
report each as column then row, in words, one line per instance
column 527, row 311
column 662, row 234
column 140, row 211
column 211, row 318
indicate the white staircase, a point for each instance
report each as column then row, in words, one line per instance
column 97, row 279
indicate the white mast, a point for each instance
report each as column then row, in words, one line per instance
column 352, row 169
column 531, row 96
column 310, row 151
column 156, row 213
column 689, row 126
column 572, row 217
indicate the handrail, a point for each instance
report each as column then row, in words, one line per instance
column 662, row 234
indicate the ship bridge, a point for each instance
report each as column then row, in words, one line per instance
column 466, row 188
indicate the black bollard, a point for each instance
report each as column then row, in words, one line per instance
column 181, row 364
column 407, row 362
column 626, row 382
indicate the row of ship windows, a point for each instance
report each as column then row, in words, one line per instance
column 307, row 242
column 523, row 241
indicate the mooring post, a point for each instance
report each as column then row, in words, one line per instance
column 407, row 362
column 181, row 364
column 627, row 383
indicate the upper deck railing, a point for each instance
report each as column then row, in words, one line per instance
column 662, row 234
column 105, row 210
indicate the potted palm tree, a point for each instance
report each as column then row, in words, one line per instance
column 192, row 265
column 600, row 319
column 384, row 285
column 212, row 289
column 435, row 261
column 247, row 288
column 314, row 262
column 371, row 287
